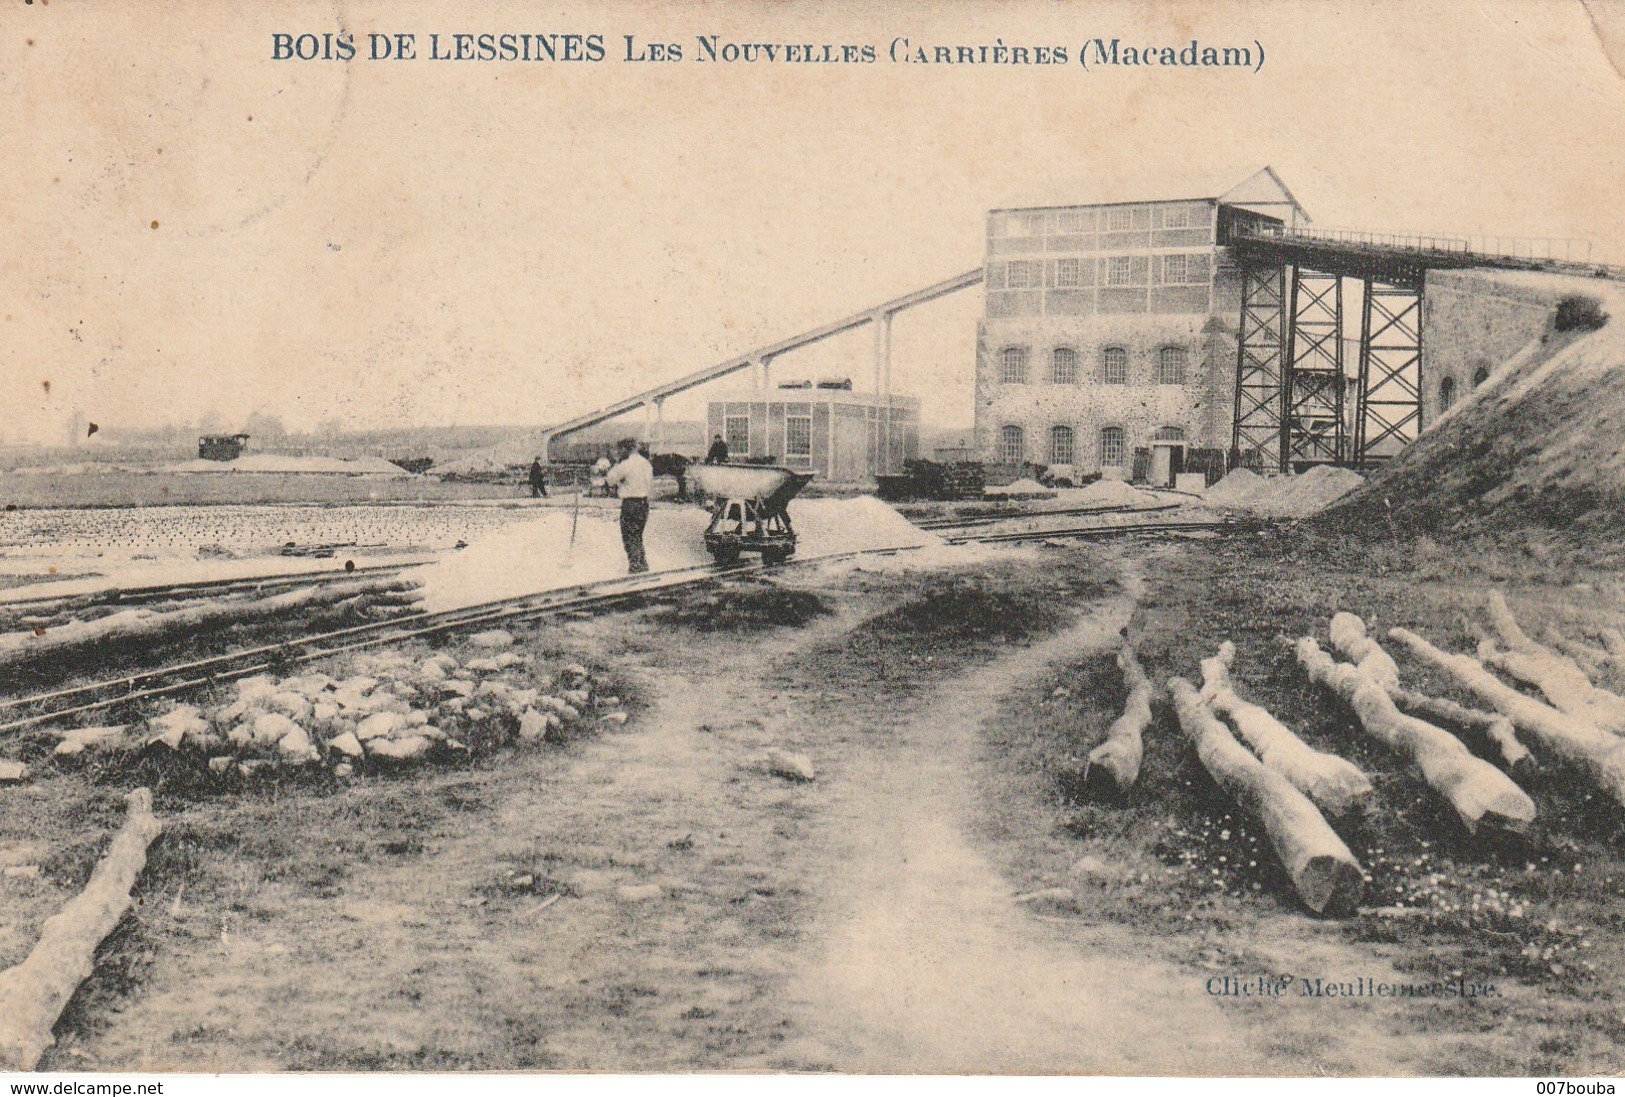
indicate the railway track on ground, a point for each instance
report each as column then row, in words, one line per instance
column 20, row 713
column 1074, row 532
column 972, row 521
column 201, row 588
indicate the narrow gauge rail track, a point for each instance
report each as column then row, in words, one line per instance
column 125, row 596
column 227, row 667
column 168, row 681
column 973, row 521
column 1091, row 531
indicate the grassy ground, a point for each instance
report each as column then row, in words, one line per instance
column 1540, row 918
column 499, row 915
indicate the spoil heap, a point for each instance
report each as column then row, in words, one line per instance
column 1283, row 496
column 1537, row 446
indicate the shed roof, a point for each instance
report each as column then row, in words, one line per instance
column 1259, row 188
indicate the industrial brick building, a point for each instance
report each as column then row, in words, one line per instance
column 1110, row 325
column 839, row 435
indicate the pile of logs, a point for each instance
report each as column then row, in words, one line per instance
column 1326, row 875
column 1480, row 794
column 1578, row 724
column 1336, row 785
column 1286, row 784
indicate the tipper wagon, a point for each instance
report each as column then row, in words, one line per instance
column 748, row 510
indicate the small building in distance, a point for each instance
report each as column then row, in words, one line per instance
column 838, row 435
column 221, row 447
column 1110, row 323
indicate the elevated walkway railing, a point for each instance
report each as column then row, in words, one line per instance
column 1565, row 255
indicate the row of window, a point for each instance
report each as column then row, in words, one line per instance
column 1113, row 219
column 797, row 435
column 1063, row 366
column 1112, row 445
column 1185, row 269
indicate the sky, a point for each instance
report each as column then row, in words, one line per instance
column 195, row 231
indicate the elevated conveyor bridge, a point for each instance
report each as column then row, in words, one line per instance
column 1293, row 384
column 760, row 360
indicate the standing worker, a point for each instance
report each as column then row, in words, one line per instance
column 538, row 480
column 718, row 453
column 635, row 479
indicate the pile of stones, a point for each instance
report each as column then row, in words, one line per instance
column 393, row 709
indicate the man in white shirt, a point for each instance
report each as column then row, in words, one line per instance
column 634, row 478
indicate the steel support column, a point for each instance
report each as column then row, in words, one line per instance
column 882, row 322
column 1388, row 416
column 1256, row 437
column 1313, row 430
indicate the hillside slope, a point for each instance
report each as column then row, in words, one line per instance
column 1540, row 446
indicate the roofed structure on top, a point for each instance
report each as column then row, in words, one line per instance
column 1259, row 188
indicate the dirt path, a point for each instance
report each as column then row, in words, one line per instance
column 708, row 915
column 928, row 965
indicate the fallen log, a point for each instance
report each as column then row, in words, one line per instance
column 1350, row 639
column 1333, row 783
column 1592, row 660
column 1118, row 757
column 1481, row 795
column 1599, row 754
column 150, row 625
column 1560, row 679
column 34, row 993
column 1561, row 682
column 1496, row 731
column 1325, row 874
column 1506, row 625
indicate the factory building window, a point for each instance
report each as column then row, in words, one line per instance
column 1176, row 217
column 1032, row 224
column 1119, row 271
column 1169, row 434
column 1113, row 444
column 1447, row 392
column 1063, row 366
column 1012, row 446
column 1023, row 274
column 1114, row 366
column 1068, row 273
column 736, row 429
column 1480, row 375
column 798, row 436
column 1171, row 366
column 1069, row 220
column 1175, row 270
column 1119, row 219
column 1060, row 445
column 1013, row 365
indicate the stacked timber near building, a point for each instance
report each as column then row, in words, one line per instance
column 1110, row 326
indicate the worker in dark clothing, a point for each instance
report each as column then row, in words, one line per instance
column 718, row 453
column 538, row 480
column 634, row 478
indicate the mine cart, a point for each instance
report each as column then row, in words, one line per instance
column 748, row 510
